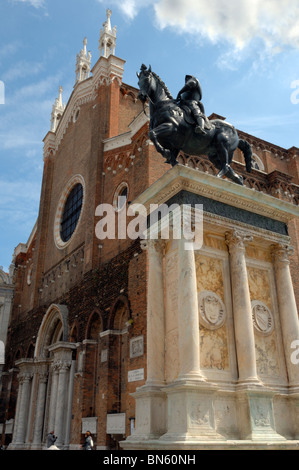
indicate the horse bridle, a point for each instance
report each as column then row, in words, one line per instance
column 146, row 92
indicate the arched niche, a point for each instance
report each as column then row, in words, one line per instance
column 257, row 163
column 95, row 326
column 74, row 335
column 119, row 314
column 53, row 329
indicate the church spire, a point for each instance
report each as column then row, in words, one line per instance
column 107, row 42
column 83, row 63
column 57, row 111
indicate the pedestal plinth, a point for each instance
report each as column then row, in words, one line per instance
column 220, row 374
column 190, row 412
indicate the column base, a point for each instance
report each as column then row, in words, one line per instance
column 36, row 446
column 252, row 383
column 17, row 446
column 294, row 389
column 194, row 377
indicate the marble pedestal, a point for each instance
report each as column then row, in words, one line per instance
column 219, row 369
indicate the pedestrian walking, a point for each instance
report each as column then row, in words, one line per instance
column 51, row 438
column 88, row 442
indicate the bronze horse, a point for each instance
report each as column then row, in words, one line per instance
column 172, row 131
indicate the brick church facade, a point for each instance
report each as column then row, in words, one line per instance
column 77, row 340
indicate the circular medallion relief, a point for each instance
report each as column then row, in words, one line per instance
column 212, row 312
column 263, row 320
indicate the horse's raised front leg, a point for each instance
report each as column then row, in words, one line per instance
column 162, row 131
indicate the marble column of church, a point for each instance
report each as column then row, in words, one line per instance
column 53, row 398
column 287, row 308
column 188, row 319
column 244, row 332
column 17, row 413
column 60, row 415
column 40, row 408
column 21, row 425
column 155, row 314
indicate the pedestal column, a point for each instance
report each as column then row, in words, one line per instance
column 155, row 314
column 188, row 320
column 244, row 333
column 287, row 308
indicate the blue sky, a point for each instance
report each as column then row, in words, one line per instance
column 244, row 52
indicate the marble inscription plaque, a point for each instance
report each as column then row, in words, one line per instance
column 136, row 347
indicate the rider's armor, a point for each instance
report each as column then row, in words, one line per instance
column 191, row 94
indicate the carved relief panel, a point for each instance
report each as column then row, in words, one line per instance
column 263, row 317
column 212, row 293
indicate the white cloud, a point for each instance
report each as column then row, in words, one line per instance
column 22, row 69
column 130, row 8
column 273, row 23
column 239, row 22
column 34, row 3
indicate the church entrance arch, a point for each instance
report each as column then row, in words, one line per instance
column 53, row 329
column 46, row 385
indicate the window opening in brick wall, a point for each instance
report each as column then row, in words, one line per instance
column 71, row 213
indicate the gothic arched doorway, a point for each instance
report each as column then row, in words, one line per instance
column 45, row 385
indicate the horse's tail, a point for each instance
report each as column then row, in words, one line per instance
column 247, row 150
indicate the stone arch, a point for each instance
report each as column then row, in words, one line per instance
column 18, row 355
column 119, row 348
column 30, row 352
column 120, row 307
column 54, row 328
column 74, row 333
column 94, row 326
column 257, row 163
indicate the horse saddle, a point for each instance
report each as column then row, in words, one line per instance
column 188, row 116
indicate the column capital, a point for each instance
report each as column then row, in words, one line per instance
column 62, row 366
column 281, row 253
column 43, row 377
column 55, row 368
column 25, row 377
column 236, row 240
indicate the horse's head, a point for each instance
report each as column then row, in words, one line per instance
column 144, row 82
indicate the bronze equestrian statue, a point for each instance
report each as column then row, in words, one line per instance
column 181, row 125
